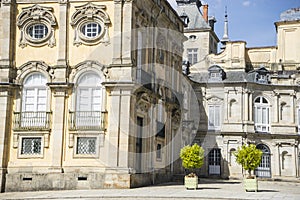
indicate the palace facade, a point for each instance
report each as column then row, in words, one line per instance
column 251, row 95
column 90, row 94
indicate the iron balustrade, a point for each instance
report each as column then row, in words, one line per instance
column 32, row 120
column 273, row 66
column 86, row 120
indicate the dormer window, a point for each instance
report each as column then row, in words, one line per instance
column 216, row 73
column 260, row 75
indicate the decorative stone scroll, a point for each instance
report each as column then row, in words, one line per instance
column 90, row 14
column 40, row 18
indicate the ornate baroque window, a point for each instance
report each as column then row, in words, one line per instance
column 36, row 24
column 90, row 23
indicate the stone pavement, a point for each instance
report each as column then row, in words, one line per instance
column 208, row 189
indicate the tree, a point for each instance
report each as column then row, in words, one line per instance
column 192, row 156
column 249, row 157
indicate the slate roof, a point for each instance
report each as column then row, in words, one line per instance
column 196, row 19
column 231, row 77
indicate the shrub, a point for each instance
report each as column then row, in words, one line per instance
column 192, row 156
column 248, row 157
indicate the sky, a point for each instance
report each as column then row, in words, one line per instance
column 248, row 20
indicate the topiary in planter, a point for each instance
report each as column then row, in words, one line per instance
column 192, row 158
column 249, row 157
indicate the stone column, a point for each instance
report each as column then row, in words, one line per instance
column 226, row 106
column 5, row 130
column 251, row 106
column 276, row 107
column 293, row 117
column 63, row 32
column 59, row 124
column 246, row 106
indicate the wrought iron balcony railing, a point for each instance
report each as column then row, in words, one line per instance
column 32, row 120
column 87, row 120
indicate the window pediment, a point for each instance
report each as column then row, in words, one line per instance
column 214, row 100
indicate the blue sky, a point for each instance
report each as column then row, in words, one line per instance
column 249, row 20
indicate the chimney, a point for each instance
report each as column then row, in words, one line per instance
column 205, row 12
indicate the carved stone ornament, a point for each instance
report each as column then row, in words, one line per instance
column 90, row 15
column 33, row 66
column 143, row 102
column 214, row 100
column 36, row 24
column 176, row 117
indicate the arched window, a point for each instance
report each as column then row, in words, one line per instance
column 283, row 159
column 264, row 168
column 88, row 93
column 231, row 156
column 232, row 108
column 283, row 110
column 261, row 115
column 87, row 115
column 34, row 93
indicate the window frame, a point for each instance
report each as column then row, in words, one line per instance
column 219, row 117
column 192, row 55
column 261, row 115
column 36, row 89
column 21, row 155
column 97, row 146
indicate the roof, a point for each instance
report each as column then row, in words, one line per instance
column 236, row 76
column 196, row 20
column 290, row 15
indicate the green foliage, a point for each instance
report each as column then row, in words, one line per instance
column 192, row 156
column 249, row 157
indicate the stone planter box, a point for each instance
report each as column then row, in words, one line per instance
column 191, row 182
column 250, row 184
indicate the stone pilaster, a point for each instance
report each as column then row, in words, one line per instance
column 118, row 20
column 6, row 40
column 59, row 124
column 119, row 127
column 63, row 32
column 5, row 129
column 127, row 24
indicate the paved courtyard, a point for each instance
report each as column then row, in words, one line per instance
column 208, row 189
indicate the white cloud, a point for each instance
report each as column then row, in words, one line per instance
column 246, row 3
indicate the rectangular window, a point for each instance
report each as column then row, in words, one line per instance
column 86, row 145
column 214, row 117
column 31, row 146
column 261, row 119
column 158, row 151
column 192, row 55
